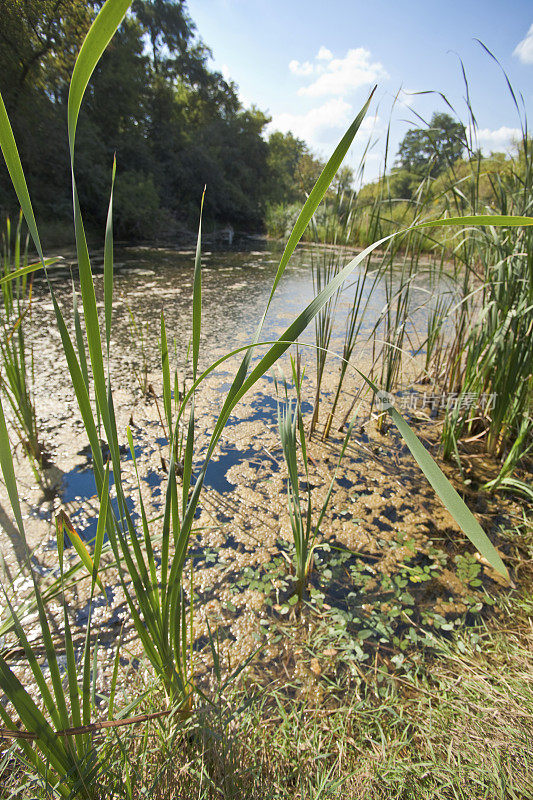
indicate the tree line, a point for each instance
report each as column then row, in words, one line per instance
column 173, row 123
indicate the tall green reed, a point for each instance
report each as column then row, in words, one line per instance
column 325, row 264
column 494, row 356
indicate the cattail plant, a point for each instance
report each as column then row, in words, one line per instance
column 305, row 529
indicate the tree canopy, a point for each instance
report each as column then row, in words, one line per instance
column 174, row 124
column 428, row 151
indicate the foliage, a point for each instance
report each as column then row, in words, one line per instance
column 152, row 582
column 173, row 124
column 305, row 529
column 280, row 218
column 429, row 151
column 284, row 154
column 16, row 376
column 137, row 204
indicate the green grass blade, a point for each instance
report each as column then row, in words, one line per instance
column 100, row 530
column 12, row 159
column 79, row 545
column 440, row 483
column 80, row 342
column 72, row 673
column 485, row 220
column 33, row 720
column 165, row 367
column 146, row 530
column 455, row 505
column 197, row 296
column 34, row 665
column 92, row 329
column 82, row 395
column 100, row 34
column 108, row 262
column 114, row 678
column 318, row 192
column 22, row 271
column 188, row 458
column 300, row 225
column 6, row 463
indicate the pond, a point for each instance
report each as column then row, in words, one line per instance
column 382, row 517
column 236, row 286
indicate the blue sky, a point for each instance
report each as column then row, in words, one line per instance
column 311, row 65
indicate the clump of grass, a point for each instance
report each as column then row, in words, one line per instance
column 17, row 367
column 324, row 266
column 305, row 529
column 497, row 350
column 458, row 728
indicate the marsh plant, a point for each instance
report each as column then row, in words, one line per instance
column 55, row 734
column 497, row 356
column 305, row 525
column 17, row 367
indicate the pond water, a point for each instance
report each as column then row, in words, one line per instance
column 236, row 286
column 382, row 513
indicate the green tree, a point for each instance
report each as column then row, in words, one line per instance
column 343, row 182
column 38, row 38
column 38, row 43
column 173, row 123
column 431, row 150
column 284, row 154
column 308, row 172
column 169, row 30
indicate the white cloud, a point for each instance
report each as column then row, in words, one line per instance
column 499, row 139
column 318, row 124
column 370, row 124
column 324, row 54
column 339, row 76
column 224, row 69
column 301, row 69
column 524, row 49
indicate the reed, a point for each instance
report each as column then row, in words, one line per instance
column 17, row 376
column 325, row 265
column 494, row 349
column 305, row 529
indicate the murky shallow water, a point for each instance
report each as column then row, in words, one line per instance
column 380, row 496
column 235, row 289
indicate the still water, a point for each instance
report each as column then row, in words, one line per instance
column 236, row 286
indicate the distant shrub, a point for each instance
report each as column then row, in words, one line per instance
column 280, row 219
column 136, row 206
